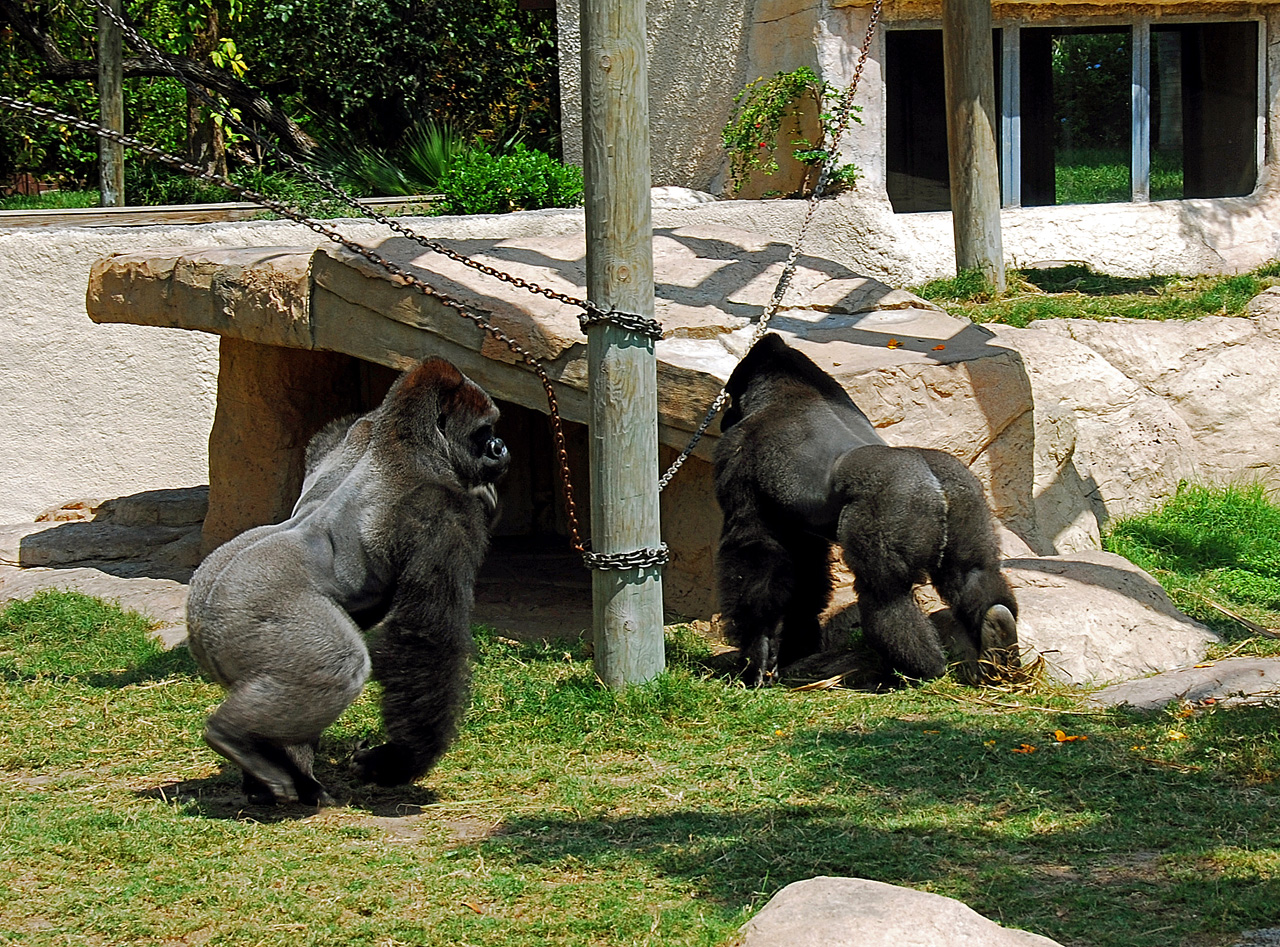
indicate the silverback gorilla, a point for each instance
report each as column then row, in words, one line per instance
column 798, row 467
column 386, row 538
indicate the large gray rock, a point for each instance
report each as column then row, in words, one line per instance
column 137, row 551
column 855, row 912
column 1105, row 446
column 1218, row 375
column 1096, row 617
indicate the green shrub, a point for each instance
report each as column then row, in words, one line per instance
column 149, row 184
column 416, row 166
column 523, row 179
column 751, row 137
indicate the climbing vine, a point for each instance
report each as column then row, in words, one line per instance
column 761, row 108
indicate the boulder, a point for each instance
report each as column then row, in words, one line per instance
column 1095, row 617
column 1104, row 444
column 855, row 912
column 1234, row 680
column 1217, row 375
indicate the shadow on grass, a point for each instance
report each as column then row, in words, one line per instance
column 161, row 667
column 221, row 797
column 1078, row 836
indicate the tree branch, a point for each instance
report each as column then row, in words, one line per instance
column 252, row 105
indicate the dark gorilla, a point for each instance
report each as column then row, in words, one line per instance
column 798, row 467
column 386, row 538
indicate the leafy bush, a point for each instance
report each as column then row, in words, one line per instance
column 417, row 166
column 149, row 184
column 751, row 136
column 522, row 179
column 156, row 185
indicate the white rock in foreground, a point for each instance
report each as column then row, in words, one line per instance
column 854, row 912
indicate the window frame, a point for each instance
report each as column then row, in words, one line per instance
column 1010, row 86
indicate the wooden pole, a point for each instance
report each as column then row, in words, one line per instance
column 111, row 107
column 971, row 139
column 623, row 377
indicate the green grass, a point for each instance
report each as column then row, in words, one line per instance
column 1101, row 176
column 1216, row 550
column 51, row 200
column 1091, row 176
column 568, row 814
column 1074, row 291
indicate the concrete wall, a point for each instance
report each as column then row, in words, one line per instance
column 91, row 410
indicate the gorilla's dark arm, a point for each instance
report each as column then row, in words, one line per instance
column 421, row 651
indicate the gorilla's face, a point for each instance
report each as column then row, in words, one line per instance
column 489, row 451
column 441, row 415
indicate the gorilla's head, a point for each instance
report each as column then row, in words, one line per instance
column 441, row 413
column 771, row 365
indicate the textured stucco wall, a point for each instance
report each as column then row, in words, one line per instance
column 91, row 410
column 697, row 63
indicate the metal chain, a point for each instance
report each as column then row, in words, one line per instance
column 647, row 558
column 843, row 114
column 592, row 313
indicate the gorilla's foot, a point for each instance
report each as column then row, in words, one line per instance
column 387, row 765
column 268, row 774
column 999, row 637
column 762, row 662
column 310, row 793
column 316, row 795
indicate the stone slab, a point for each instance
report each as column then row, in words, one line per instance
column 260, row 293
column 1230, row 681
column 923, row 377
column 1095, row 617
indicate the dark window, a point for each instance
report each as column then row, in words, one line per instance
column 1204, row 110
column 917, row 170
column 1076, row 125
column 916, row 122
column 1081, row 111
